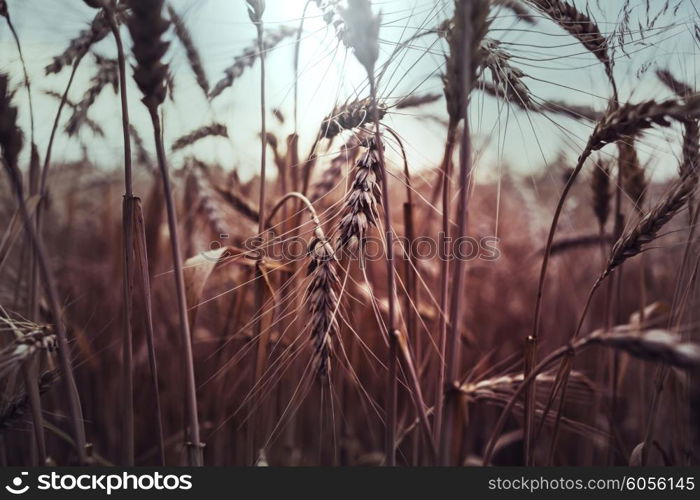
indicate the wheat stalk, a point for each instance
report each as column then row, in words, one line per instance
column 470, row 27
column 147, row 26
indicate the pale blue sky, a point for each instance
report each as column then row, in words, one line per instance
column 557, row 67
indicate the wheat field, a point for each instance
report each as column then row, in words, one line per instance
column 349, row 232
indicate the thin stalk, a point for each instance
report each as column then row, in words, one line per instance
column 531, row 341
column 390, row 451
column 141, row 251
column 259, row 280
column 128, row 259
column 614, row 312
column 297, row 46
column 54, row 128
column 194, row 444
column 444, row 270
column 410, row 261
column 453, row 354
column 29, row 373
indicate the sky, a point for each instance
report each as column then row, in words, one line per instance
column 556, row 67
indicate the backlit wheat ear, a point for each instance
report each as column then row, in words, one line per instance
column 646, row 230
column 505, row 384
column 213, row 130
column 95, row 4
column 575, row 111
column 360, row 209
column 208, row 205
column 256, row 9
column 239, row 204
column 690, row 164
column 629, row 119
column 322, row 298
column 600, row 185
column 193, row 57
column 580, row 26
column 143, row 157
column 107, row 74
column 681, row 89
column 249, row 56
column 94, row 127
column 507, row 78
column 11, row 138
column 79, row 46
column 362, row 32
column 349, row 117
column 516, row 7
column 147, row 25
column 653, row 345
column 456, row 97
column 416, row 100
column 332, row 16
column 634, row 181
column 691, row 157
column 29, row 339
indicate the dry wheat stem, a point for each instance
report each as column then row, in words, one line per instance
column 146, row 26
column 472, row 29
